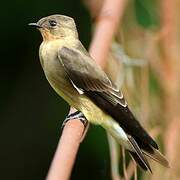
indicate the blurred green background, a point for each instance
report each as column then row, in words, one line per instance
column 31, row 113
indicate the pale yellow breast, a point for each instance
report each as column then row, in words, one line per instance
column 54, row 71
column 58, row 79
column 91, row 111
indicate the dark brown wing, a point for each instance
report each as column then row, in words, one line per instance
column 86, row 75
column 82, row 70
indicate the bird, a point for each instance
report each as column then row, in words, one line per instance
column 76, row 77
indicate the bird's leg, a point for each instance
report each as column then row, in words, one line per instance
column 76, row 115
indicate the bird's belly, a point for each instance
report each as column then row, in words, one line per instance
column 96, row 116
column 56, row 75
column 61, row 84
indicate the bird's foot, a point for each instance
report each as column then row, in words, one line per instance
column 76, row 115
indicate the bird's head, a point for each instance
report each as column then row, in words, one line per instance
column 56, row 27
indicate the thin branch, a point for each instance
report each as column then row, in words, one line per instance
column 106, row 25
column 66, row 151
column 124, row 164
column 114, row 155
column 131, row 169
column 135, row 170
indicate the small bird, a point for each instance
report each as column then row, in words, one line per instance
column 76, row 77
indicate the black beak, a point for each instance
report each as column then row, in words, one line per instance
column 35, row 25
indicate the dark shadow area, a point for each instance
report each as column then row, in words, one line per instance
column 31, row 113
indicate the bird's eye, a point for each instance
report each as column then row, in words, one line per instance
column 52, row 23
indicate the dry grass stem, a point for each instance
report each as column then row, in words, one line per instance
column 114, row 156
